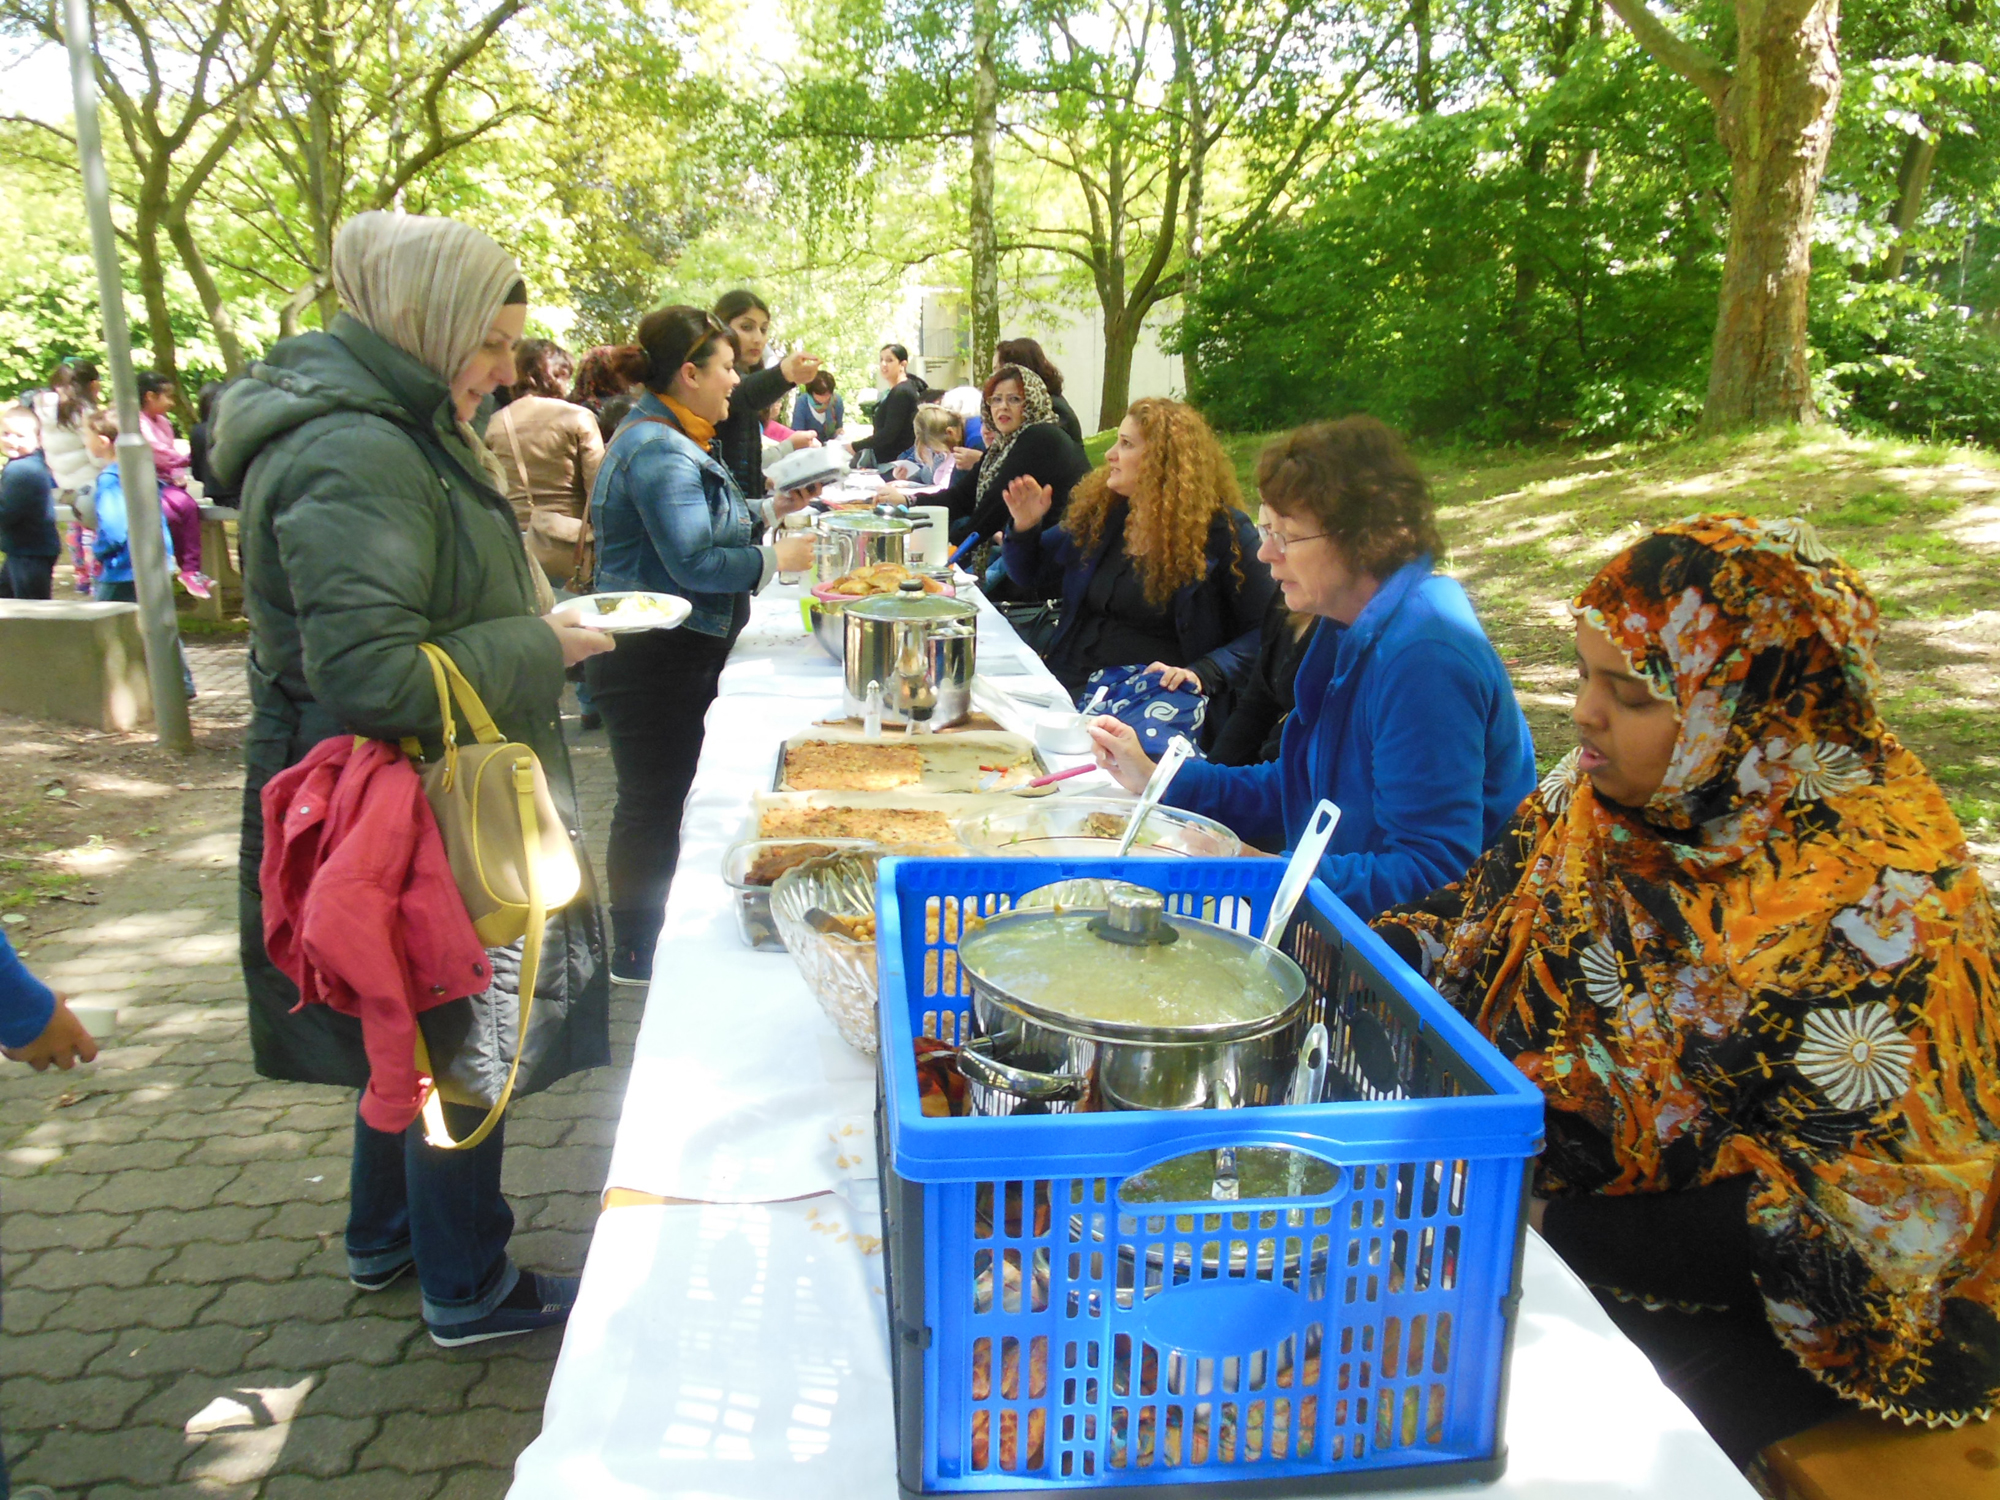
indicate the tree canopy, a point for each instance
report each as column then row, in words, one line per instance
column 1498, row 218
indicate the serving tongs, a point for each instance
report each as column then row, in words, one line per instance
column 1171, row 760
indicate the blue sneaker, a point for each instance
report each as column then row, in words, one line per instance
column 536, row 1302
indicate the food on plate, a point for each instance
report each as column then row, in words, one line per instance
column 883, row 825
column 840, row 766
column 635, row 606
column 1102, row 825
column 879, row 578
column 769, row 865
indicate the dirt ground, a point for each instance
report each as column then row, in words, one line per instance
column 78, row 807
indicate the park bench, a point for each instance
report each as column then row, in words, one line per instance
column 1863, row 1457
column 77, row 661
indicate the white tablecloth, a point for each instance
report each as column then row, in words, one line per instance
column 739, row 1349
column 741, row 1091
column 739, row 1352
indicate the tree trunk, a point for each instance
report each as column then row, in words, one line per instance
column 153, row 280
column 985, row 241
column 1420, row 27
column 1194, row 245
column 1121, row 341
column 217, row 311
column 324, row 186
column 1913, row 179
column 1776, row 122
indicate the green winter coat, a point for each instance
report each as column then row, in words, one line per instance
column 368, row 527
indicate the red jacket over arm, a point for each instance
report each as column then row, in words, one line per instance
column 360, row 908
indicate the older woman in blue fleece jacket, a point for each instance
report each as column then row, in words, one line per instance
column 1405, row 717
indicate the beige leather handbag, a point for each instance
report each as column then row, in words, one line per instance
column 510, row 854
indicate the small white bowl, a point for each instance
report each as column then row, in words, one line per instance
column 1063, row 734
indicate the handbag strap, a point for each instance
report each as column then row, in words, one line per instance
column 436, row 1133
column 451, row 684
column 520, row 464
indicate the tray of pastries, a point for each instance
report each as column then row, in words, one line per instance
column 829, row 760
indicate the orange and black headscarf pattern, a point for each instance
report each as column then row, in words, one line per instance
column 1784, row 965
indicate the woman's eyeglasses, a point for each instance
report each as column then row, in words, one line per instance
column 1279, row 543
column 997, row 402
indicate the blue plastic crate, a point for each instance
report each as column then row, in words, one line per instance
column 1052, row 1331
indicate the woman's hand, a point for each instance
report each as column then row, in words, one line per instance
column 966, row 458
column 1027, row 502
column 64, row 1042
column 795, row 500
column 578, row 641
column 800, row 368
column 793, row 553
column 1118, row 751
column 1173, row 679
column 803, row 440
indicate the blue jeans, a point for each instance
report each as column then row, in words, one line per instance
column 108, row 592
column 443, row 1209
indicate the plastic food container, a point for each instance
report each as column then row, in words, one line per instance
column 753, row 902
column 1075, row 1305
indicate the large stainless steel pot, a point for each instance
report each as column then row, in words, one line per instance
column 846, row 540
column 920, row 647
column 1245, row 1055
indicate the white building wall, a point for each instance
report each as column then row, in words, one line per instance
column 1072, row 337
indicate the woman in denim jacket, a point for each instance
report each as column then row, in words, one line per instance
column 670, row 519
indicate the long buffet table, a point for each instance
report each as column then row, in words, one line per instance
column 735, row 1346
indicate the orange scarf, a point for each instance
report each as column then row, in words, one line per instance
column 699, row 428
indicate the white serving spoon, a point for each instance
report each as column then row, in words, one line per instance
column 1171, row 760
column 1299, row 873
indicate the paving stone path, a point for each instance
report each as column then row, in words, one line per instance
column 177, row 1317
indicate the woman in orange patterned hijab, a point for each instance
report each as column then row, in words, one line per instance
column 1738, row 940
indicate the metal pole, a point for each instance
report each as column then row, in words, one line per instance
column 157, row 625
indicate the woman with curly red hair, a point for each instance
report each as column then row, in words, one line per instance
column 1155, row 560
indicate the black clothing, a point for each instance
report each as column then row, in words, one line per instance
column 28, row 508
column 1215, row 620
column 1066, row 418
column 654, row 692
column 1713, row 1345
column 896, row 418
column 1250, row 710
column 1118, row 627
column 739, row 437
column 213, row 490
column 1044, row 452
column 28, row 578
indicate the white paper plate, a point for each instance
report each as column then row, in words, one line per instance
column 806, row 466
column 609, row 612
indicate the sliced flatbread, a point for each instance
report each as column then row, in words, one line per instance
column 885, row 825
column 834, row 766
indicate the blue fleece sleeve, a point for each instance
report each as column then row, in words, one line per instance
column 1247, row 800
column 667, row 491
column 1427, row 753
column 25, row 1002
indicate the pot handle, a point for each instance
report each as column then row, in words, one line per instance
column 977, row 1064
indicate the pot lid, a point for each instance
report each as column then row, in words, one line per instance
column 864, row 521
column 918, row 606
column 1133, row 973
